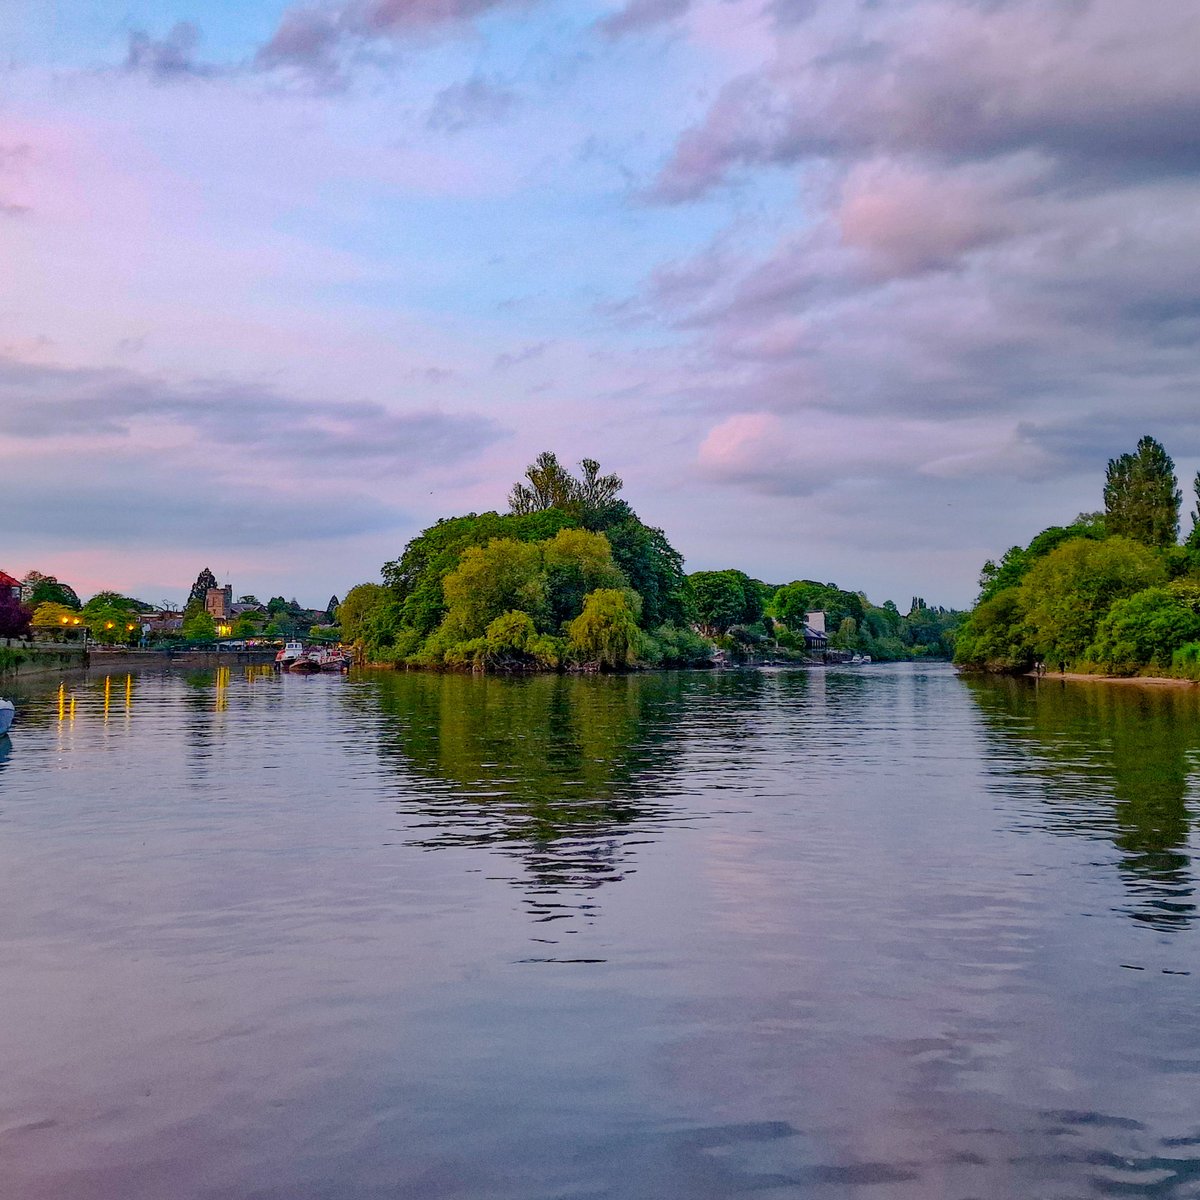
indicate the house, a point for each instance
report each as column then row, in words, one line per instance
column 10, row 586
column 816, row 640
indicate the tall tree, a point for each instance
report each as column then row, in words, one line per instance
column 1193, row 538
column 591, row 498
column 550, row 485
column 205, row 580
column 1141, row 500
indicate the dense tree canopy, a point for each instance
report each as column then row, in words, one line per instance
column 1111, row 591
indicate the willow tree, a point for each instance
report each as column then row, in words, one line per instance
column 1141, row 500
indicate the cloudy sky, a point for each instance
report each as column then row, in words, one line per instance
column 843, row 289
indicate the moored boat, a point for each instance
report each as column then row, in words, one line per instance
column 319, row 658
column 289, row 654
column 8, row 710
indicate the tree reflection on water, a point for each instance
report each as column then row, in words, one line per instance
column 1068, row 745
column 559, row 772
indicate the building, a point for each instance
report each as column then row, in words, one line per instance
column 10, row 586
column 816, row 640
column 218, row 602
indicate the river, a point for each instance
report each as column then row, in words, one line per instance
column 879, row 932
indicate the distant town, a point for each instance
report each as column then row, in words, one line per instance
column 42, row 607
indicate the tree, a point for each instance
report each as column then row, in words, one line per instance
column 1145, row 629
column 47, row 589
column 576, row 562
column 1066, row 593
column 846, row 636
column 51, row 613
column 14, row 616
column 1141, row 500
column 200, row 628
column 550, row 485
column 794, row 601
column 355, row 613
column 720, row 600
column 489, row 581
column 200, row 589
column 606, row 633
column 994, row 637
column 654, row 569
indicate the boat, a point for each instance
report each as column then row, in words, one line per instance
column 288, row 655
column 319, row 658
column 8, row 710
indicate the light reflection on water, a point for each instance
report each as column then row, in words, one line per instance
column 879, row 933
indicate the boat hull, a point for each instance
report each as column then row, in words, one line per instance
column 7, row 712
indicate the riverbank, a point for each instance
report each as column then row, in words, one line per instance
column 32, row 662
column 1145, row 680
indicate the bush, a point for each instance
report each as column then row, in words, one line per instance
column 671, row 646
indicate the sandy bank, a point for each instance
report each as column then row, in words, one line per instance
column 1137, row 680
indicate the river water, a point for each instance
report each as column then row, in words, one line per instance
column 877, row 932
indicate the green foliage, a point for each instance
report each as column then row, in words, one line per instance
column 846, row 637
column 1186, row 660
column 675, row 646
column 795, row 600
column 1067, row 592
column 1141, row 500
column 654, row 569
column 722, row 599
column 50, row 614
column 46, row 589
column 606, row 633
column 994, row 636
column 491, row 580
column 1146, row 628
column 109, row 617
column 415, row 578
column 549, row 485
column 357, row 612
column 576, row 562
column 11, row 659
column 199, row 628
column 1011, row 570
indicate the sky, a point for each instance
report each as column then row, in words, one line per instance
column 843, row 289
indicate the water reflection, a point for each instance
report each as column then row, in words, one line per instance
column 1069, row 747
column 563, row 774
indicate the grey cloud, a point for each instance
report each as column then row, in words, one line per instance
column 171, row 57
column 158, row 507
column 476, row 102
column 1102, row 86
column 40, row 402
column 638, row 15
column 312, row 38
column 525, row 354
column 990, row 231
